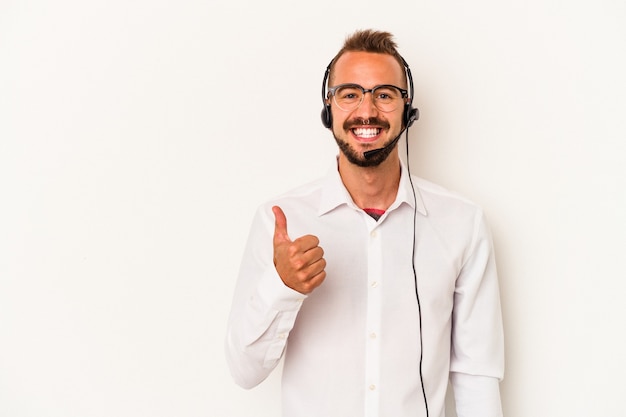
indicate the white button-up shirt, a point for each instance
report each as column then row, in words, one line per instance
column 353, row 346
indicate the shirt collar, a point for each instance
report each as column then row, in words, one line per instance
column 334, row 193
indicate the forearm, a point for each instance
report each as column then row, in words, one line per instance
column 260, row 321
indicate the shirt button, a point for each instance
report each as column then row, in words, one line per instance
column 373, row 233
column 372, row 335
column 374, row 284
column 372, row 387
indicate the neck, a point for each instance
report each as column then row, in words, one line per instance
column 372, row 187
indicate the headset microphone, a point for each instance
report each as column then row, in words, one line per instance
column 374, row 152
column 411, row 115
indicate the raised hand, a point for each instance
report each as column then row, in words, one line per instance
column 300, row 263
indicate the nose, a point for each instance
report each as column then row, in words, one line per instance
column 367, row 108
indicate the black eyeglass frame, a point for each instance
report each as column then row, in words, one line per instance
column 331, row 92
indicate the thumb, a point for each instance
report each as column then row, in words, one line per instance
column 280, row 226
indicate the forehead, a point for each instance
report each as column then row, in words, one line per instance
column 367, row 69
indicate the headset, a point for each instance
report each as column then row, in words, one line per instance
column 410, row 114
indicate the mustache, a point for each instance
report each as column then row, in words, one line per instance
column 360, row 122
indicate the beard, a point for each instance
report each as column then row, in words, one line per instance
column 358, row 158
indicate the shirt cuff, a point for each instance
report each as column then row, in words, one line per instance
column 476, row 395
column 275, row 294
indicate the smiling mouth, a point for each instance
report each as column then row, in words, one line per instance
column 366, row 132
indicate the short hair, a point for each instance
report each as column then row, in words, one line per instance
column 369, row 40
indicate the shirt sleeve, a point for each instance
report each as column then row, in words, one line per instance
column 477, row 357
column 263, row 310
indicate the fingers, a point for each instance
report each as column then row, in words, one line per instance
column 307, row 287
column 305, row 252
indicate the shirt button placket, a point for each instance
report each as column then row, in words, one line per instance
column 372, row 360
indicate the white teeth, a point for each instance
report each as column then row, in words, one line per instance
column 366, row 132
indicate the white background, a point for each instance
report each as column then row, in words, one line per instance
column 137, row 137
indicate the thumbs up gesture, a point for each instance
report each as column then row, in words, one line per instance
column 300, row 263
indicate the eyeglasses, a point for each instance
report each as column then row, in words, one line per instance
column 386, row 97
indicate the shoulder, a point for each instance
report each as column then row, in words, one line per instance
column 458, row 222
column 302, row 199
column 435, row 194
column 447, row 207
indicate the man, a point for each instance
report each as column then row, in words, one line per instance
column 374, row 287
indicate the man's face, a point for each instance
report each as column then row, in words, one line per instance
column 366, row 127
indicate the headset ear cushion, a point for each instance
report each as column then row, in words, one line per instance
column 327, row 119
column 411, row 114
